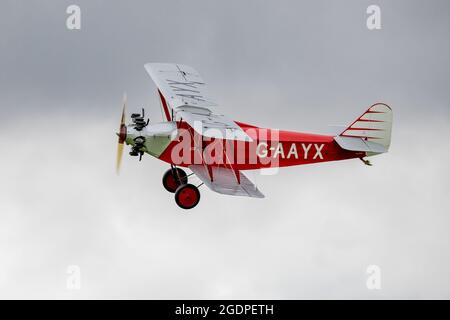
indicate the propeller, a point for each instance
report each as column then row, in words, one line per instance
column 122, row 135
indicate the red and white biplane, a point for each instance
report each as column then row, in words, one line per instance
column 217, row 149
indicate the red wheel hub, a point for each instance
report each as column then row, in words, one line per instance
column 171, row 182
column 188, row 197
column 173, row 178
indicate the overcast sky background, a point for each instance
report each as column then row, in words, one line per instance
column 298, row 65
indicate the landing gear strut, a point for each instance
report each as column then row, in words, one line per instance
column 175, row 180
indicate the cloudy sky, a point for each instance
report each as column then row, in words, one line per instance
column 297, row 65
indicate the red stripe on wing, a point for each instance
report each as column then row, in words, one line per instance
column 362, row 137
column 369, row 120
column 368, row 129
column 165, row 107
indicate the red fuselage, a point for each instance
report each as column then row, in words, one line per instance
column 269, row 148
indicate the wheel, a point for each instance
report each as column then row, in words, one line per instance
column 187, row 196
column 173, row 178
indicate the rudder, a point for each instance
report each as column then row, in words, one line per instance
column 374, row 125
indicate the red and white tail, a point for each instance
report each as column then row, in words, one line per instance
column 374, row 125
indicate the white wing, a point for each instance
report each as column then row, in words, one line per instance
column 186, row 93
column 226, row 181
column 180, row 84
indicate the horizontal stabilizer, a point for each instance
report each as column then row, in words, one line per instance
column 359, row 144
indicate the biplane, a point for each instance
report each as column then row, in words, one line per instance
column 217, row 149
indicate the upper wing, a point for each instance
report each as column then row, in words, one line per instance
column 180, row 84
column 226, row 181
column 186, row 94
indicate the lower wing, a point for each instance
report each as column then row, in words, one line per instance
column 226, row 181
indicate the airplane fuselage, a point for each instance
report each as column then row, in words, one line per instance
column 217, row 149
column 177, row 143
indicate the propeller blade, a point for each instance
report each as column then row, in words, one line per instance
column 122, row 119
column 122, row 135
column 119, row 157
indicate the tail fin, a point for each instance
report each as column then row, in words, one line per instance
column 371, row 132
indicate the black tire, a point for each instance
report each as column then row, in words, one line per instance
column 173, row 178
column 187, row 196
